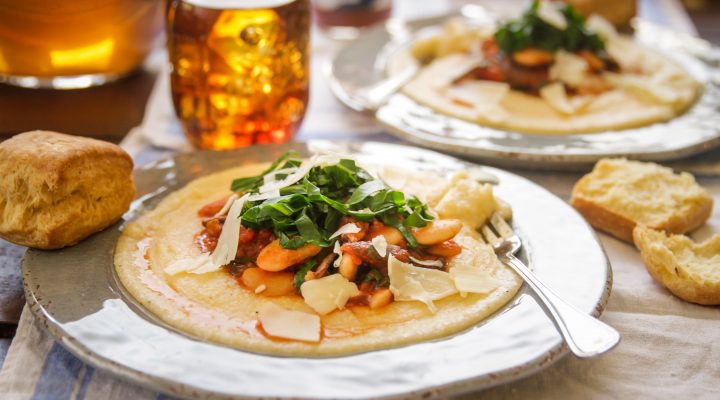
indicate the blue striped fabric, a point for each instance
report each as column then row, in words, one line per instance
column 4, row 345
column 60, row 375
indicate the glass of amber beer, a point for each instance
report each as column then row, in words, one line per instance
column 75, row 43
column 239, row 69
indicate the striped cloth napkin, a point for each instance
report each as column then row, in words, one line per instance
column 669, row 348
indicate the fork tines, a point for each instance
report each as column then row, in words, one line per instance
column 496, row 229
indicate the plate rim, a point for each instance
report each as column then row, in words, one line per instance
column 133, row 376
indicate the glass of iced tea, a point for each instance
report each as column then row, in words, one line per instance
column 240, row 69
column 75, row 44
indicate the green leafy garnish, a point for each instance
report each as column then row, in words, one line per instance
column 532, row 31
column 300, row 274
column 376, row 277
column 242, row 184
column 309, row 210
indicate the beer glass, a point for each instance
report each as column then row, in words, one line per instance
column 240, row 69
column 74, row 44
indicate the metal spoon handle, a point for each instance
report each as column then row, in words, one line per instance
column 585, row 335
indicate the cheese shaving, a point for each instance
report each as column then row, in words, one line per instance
column 264, row 196
column 300, row 172
column 288, row 324
column 556, row 97
column 380, row 244
column 187, row 264
column 410, row 283
column 568, row 68
column 227, row 244
column 473, row 280
column 428, row 263
column 328, row 293
column 550, row 14
column 644, row 87
column 347, row 228
column 461, row 68
column 601, row 27
column 480, row 95
column 272, row 175
column 336, row 250
column 224, row 210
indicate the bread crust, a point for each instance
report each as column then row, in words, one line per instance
column 602, row 218
column 57, row 189
column 663, row 266
column 617, row 223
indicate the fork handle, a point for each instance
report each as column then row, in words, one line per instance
column 376, row 95
column 585, row 335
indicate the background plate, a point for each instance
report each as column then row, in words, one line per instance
column 75, row 293
column 364, row 62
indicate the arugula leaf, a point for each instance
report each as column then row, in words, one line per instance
column 532, row 31
column 376, row 277
column 309, row 211
column 242, row 184
column 299, row 278
column 365, row 190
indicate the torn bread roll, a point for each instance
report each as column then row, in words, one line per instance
column 619, row 194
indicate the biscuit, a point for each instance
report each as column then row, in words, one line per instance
column 57, row 189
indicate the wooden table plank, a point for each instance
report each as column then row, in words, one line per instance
column 105, row 112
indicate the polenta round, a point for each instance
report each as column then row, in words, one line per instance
column 214, row 307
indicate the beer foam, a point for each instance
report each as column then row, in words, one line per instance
column 238, row 4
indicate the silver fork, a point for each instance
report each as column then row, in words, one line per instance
column 586, row 336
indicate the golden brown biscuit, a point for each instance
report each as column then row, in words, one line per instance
column 690, row 271
column 619, row 194
column 57, row 189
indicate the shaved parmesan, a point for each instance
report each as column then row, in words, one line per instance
column 473, row 280
column 264, row 196
column 336, row 250
column 550, row 14
column 568, row 68
column 272, row 175
column 555, row 95
column 380, row 244
column 299, row 172
column 480, row 95
column 227, row 244
column 347, row 228
column 288, row 324
column 644, row 87
column 428, row 263
column 224, row 210
column 624, row 52
column 328, row 293
column 187, row 264
column 409, row 283
column 458, row 70
column 600, row 26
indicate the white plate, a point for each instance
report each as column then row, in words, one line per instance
column 364, row 62
column 76, row 294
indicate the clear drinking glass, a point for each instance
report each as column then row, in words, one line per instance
column 240, row 69
column 74, row 44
